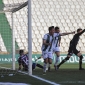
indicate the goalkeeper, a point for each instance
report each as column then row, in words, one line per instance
column 23, row 62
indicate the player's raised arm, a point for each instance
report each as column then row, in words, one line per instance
column 62, row 34
column 82, row 31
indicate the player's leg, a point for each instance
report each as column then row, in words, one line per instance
column 76, row 52
column 70, row 52
column 45, row 65
column 38, row 65
column 25, row 68
column 49, row 63
column 63, row 61
column 45, row 57
column 57, row 52
column 57, row 58
column 50, row 57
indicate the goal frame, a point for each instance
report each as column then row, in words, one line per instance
column 29, row 36
column 12, row 11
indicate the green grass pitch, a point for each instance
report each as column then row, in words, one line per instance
column 67, row 74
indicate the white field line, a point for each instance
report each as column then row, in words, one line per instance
column 5, row 67
column 42, row 79
column 74, row 82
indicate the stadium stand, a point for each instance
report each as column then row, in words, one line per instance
column 67, row 14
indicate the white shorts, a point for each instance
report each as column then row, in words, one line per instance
column 56, row 49
column 47, row 55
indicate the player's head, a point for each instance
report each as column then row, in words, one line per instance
column 57, row 29
column 21, row 52
column 79, row 30
column 51, row 30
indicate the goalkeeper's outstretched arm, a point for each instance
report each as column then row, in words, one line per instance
column 20, row 7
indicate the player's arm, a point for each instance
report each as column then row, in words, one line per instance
column 45, row 43
column 62, row 34
column 81, row 32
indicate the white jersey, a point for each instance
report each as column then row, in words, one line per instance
column 49, row 39
column 56, row 39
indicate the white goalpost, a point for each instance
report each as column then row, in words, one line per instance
column 29, row 37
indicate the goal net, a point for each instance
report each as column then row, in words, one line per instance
column 13, row 34
column 67, row 14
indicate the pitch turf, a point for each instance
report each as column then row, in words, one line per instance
column 68, row 74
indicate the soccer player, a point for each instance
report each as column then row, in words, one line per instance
column 57, row 37
column 72, row 49
column 47, row 47
column 57, row 47
column 23, row 62
column 49, row 42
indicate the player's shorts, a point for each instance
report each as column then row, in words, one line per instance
column 72, row 50
column 47, row 55
column 56, row 49
column 76, row 51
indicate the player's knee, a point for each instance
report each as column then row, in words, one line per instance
column 67, row 58
column 45, row 60
column 79, row 54
column 50, row 62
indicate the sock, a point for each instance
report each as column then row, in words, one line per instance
column 80, row 61
column 57, row 59
column 38, row 65
column 44, row 67
column 48, row 65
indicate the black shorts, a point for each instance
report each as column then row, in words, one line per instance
column 72, row 50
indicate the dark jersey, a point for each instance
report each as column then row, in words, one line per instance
column 75, row 39
column 23, row 60
column 73, row 44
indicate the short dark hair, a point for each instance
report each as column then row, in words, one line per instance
column 56, row 28
column 21, row 51
column 50, row 28
column 79, row 29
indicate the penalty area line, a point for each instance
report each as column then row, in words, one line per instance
column 39, row 78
